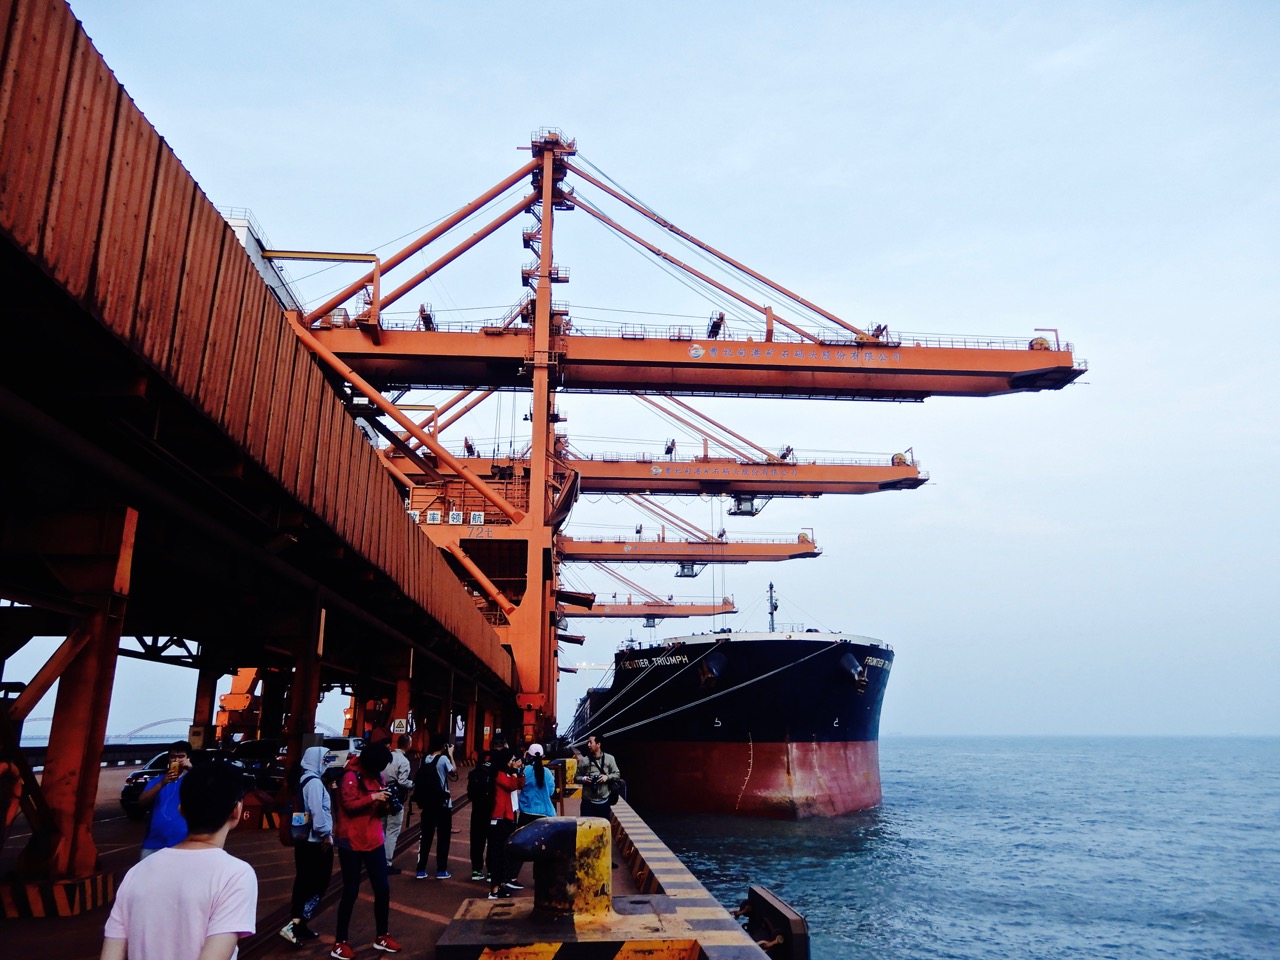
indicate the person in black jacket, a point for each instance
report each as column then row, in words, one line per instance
column 436, row 805
column 480, row 783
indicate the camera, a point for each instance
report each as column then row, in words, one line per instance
column 397, row 793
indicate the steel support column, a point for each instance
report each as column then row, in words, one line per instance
column 70, row 781
column 304, row 691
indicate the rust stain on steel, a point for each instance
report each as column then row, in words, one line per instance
column 224, row 324
column 79, row 172
column 199, row 274
column 265, row 387
column 166, row 247
column 298, row 425
column 31, row 103
column 130, row 188
column 244, row 362
column 282, row 390
column 315, row 434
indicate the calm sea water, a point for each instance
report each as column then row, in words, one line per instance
column 1002, row 848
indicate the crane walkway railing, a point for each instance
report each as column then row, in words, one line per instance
column 733, row 541
column 679, row 332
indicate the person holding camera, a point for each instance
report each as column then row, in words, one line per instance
column 358, row 836
column 431, row 794
column 502, row 823
column 166, row 826
column 399, row 783
column 597, row 773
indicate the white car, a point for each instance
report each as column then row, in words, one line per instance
column 340, row 750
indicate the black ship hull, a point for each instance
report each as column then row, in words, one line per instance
column 772, row 725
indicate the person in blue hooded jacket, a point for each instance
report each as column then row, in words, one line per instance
column 312, row 847
column 539, row 786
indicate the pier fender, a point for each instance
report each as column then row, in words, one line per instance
column 774, row 925
column 572, row 871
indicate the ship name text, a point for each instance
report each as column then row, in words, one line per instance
column 667, row 661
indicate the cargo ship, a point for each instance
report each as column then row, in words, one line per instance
column 776, row 724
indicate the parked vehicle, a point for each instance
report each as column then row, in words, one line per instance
column 261, row 758
column 341, row 749
column 136, row 782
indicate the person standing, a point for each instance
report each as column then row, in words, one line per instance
column 596, row 773
column 431, row 793
column 480, row 785
column 312, row 847
column 358, row 837
column 166, row 825
column 539, row 785
column 502, row 823
column 396, row 776
column 192, row 900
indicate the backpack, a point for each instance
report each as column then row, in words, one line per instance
column 428, row 792
column 295, row 822
column 481, row 784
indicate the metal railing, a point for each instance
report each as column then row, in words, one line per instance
column 680, row 332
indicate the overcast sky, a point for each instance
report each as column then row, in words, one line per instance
column 1095, row 560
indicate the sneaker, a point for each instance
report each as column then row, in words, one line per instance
column 342, row 951
column 303, row 932
column 443, row 874
column 290, row 932
column 500, row 894
column 385, row 942
column 392, row 871
column 514, row 885
column 420, row 875
column 477, row 875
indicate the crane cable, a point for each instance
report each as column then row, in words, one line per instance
column 696, row 703
column 640, row 676
column 759, row 288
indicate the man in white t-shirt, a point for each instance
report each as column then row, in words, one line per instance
column 191, row 901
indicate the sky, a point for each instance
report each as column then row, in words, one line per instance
column 1096, row 560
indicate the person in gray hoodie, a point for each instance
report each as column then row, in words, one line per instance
column 312, row 847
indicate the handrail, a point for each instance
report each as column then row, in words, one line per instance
column 636, row 331
column 712, row 541
column 653, row 459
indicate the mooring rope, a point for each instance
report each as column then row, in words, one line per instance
column 594, row 727
column 713, row 696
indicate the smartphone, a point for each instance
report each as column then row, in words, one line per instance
column 175, row 767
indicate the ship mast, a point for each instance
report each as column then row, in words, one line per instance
column 773, row 606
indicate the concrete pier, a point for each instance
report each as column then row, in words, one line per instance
column 421, row 910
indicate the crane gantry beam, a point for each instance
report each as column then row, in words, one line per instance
column 694, row 476
column 630, row 609
column 660, row 550
column 679, row 363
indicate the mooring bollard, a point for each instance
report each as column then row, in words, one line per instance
column 572, row 870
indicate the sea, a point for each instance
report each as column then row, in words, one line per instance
column 1026, row 847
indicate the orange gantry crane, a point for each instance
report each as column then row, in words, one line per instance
column 750, row 474
column 660, row 549
column 500, row 531
column 644, row 604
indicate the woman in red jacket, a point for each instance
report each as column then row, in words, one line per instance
column 502, row 824
column 358, row 836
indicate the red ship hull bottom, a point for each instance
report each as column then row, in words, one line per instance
column 783, row 781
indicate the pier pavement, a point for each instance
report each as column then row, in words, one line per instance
column 420, row 909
